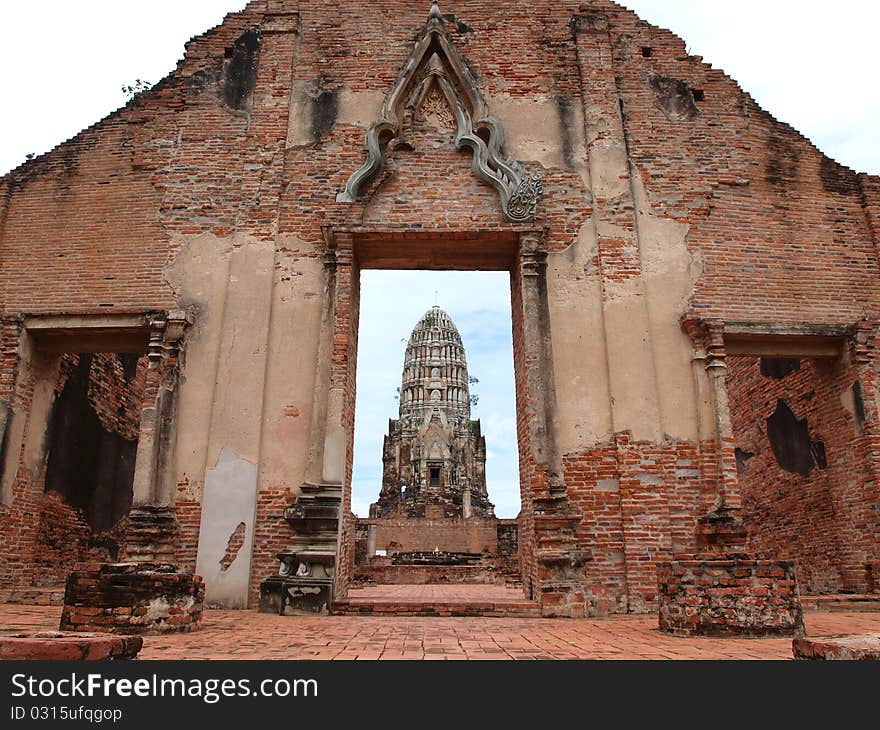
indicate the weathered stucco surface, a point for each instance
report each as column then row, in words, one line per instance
column 670, row 272
column 291, row 368
column 29, row 428
column 229, row 499
column 198, row 276
column 579, row 352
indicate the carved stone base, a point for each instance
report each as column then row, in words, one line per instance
column 296, row 596
column 306, row 576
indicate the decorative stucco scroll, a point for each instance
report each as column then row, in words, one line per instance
column 435, row 64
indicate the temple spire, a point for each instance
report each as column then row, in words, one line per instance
column 434, row 448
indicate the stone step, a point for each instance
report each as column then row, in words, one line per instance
column 846, row 648
column 492, row 609
column 842, row 603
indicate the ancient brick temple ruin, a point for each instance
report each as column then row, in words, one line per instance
column 433, row 521
column 693, row 292
column 434, row 456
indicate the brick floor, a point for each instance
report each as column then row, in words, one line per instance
column 251, row 635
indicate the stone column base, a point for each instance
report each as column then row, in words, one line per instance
column 729, row 594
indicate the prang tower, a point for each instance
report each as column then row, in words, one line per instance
column 434, row 455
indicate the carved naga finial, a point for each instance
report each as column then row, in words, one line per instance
column 436, row 60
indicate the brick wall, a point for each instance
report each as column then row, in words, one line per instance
column 474, row 535
column 781, row 233
column 132, row 599
column 729, row 595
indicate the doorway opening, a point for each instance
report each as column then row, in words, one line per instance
column 436, row 483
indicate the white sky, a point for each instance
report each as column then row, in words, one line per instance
column 811, row 65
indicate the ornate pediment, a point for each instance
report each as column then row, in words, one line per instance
column 436, row 86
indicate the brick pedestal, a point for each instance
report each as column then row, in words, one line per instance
column 729, row 594
column 129, row 598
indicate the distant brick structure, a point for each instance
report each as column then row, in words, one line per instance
column 662, row 232
column 434, row 455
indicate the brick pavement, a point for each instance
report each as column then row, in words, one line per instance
column 251, row 635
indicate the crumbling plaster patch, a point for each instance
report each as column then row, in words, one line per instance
column 28, row 426
column 670, row 272
column 534, row 131
column 44, row 371
column 230, row 498
column 583, row 410
column 354, row 108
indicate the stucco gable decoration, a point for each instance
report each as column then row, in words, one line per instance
column 435, row 64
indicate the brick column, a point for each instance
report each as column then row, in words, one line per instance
column 151, row 530
column 314, row 471
column 634, row 402
column 539, row 368
column 314, row 565
column 857, row 503
column 337, row 432
column 559, row 581
column 716, row 366
column 721, row 529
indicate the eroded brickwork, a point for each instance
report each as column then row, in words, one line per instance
column 132, row 599
column 729, row 595
column 667, row 193
column 806, row 483
column 72, row 505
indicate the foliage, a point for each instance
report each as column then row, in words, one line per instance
column 138, row 87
